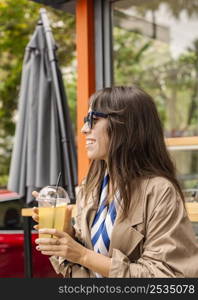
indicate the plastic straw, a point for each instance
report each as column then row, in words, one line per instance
column 57, row 185
column 58, row 180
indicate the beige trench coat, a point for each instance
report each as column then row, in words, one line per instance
column 155, row 240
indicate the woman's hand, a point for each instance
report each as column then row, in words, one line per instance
column 64, row 246
column 35, row 215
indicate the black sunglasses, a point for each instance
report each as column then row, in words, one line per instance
column 90, row 117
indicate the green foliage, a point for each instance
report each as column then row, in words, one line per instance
column 3, row 181
column 173, row 83
column 18, row 19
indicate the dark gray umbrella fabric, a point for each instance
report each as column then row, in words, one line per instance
column 38, row 154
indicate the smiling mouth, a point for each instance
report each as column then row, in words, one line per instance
column 90, row 142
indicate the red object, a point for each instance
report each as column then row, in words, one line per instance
column 8, row 195
column 12, row 241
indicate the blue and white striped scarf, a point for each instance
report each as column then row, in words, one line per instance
column 103, row 222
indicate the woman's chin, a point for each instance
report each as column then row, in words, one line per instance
column 93, row 156
column 90, row 156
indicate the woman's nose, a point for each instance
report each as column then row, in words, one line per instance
column 85, row 129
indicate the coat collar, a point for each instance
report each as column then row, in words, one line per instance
column 124, row 228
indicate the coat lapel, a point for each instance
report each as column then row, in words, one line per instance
column 88, row 215
column 124, row 236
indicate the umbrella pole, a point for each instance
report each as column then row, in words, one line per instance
column 27, row 247
column 27, row 222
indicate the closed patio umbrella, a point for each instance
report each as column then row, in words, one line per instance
column 44, row 141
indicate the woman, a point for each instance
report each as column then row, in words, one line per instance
column 131, row 219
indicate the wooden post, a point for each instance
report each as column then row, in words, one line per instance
column 85, row 74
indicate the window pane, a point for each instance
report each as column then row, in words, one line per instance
column 156, row 46
column 186, row 162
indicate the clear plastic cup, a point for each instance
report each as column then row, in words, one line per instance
column 52, row 204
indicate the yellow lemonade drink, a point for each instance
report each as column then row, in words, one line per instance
column 60, row 213
column 52, row 217
column 52, row 205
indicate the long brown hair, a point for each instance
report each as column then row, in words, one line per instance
column 136, row 143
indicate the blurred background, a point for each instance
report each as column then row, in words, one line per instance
column 154, row 44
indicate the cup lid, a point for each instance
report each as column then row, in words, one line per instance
column 52, row 193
